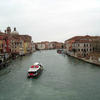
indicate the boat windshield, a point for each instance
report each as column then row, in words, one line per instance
column 32, row 72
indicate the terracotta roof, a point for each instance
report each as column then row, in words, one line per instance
column 78, row 39
column 74, row 38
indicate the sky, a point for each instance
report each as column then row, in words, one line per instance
column 51, row 20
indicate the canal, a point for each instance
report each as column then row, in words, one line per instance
column 63, row 78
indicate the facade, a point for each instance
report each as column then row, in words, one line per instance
column 33, row 46
column 15, row 43
column 40, row 46
column 59, row 45
column 83, row 46
column 4, row 54
column 27, row 43
column 2, row 44
column 45, row 45
column 68, row 45
column 96, row 43
column 53, row 45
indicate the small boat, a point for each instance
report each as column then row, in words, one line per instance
column 60, row 51
column 35, row 70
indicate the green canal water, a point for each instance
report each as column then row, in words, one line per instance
column 63, row 78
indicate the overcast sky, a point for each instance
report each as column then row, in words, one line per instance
column 52, row 20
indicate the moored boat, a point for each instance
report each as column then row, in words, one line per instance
column 35, row 70
column 59, row 51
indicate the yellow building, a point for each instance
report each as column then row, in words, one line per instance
column 1, row 46
column 26, row 43
column 25, row 47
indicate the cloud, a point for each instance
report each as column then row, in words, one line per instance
column 51, row 19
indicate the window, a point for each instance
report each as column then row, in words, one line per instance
column 81, row 49
column 93, row 48
column 2, row 45
column 87, row 45
column 78, row 45
column 84, row 50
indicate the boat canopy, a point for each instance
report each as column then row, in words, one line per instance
column 32, row 66
column 33, row 69
column 36, row 63
column 36, row 66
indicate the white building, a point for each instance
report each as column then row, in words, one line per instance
column 41, row 46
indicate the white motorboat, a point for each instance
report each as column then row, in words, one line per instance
column 35, row 70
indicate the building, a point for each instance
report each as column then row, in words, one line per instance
column 68, row 45
column 59, row 45
column 12, row 44
column 96, row 43
column 82, row 46
column 40, row 46
column 2, row 43
column 17, row 44
column 53, row 45
column 46, row 43
column 33, row 46
column 27, row 43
